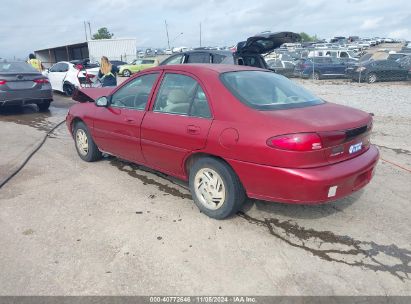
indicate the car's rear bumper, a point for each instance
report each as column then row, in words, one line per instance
column 22, row 97
column 307, row 186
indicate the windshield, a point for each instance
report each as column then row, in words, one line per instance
column 263, row 90
column 16, row 67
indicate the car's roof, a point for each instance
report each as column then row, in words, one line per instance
column 218, row 68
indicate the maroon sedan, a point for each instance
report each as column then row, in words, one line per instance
column 232, row 132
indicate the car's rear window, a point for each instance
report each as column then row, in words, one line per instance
column 263, row 90
column 16, row 67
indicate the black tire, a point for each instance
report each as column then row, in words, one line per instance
column 372, row 78
column 43, row 107
column 93, row 153
column 316, row 76
column 68, row 89
column 234, row 194
column 126, row 73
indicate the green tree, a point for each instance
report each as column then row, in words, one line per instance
column 307, row 38
column 102, row 33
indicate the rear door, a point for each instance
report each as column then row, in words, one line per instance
column 177, row 124
column 117, row 128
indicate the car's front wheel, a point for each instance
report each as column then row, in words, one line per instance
column 316, row 76
column 126, row 73
column 216, row 189
column 85, row 145
column 68, row 89
column 372, row 77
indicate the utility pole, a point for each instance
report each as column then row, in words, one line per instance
column 89, row 28
column 200, row 34
column 85, row 29
column 168, row 38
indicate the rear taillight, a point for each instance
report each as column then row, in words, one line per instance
column 332, row 138
column 296, row 142
column 41, row 80
column 3, row 82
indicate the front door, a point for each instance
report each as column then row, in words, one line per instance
column 177, row 124
column 117, row 127
column 57, row 74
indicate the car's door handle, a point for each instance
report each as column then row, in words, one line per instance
column 129, row 120
column 193, row 130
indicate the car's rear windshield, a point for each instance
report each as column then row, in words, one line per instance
column 263, row 90
column 16, row 67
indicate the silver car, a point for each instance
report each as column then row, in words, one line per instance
column 21, row 84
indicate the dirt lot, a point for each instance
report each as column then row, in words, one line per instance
column 68, row 227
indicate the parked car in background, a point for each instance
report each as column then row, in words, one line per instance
column 247, row 53
column 405, row 62
column 336, row 53
column 281, row 67
column 137, row 65
column 66, row 76
column 323, row 67
column 21, row 84
column 270, row 139
column 117, row 63
column 377, row 70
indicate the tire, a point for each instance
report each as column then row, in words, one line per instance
column 43, row 107
column 68, row 89
column 208, row 175
column 126, row 73
column 316, row 76
column 372, row 78
column 85, row 146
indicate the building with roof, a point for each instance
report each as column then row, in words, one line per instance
column 123, row 49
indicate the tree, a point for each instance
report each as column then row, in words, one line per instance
column 102, row 33
column 307, row 38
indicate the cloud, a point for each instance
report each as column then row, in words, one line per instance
column 372, row 23
column 27, row 26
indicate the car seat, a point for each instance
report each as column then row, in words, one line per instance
column 177, row 102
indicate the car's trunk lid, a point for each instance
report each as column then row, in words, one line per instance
column 20, row 81
column 266, row 42
column 344, row 131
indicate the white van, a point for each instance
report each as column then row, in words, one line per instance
column 332, row 53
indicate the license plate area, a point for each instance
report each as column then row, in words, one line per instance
column 355, row 148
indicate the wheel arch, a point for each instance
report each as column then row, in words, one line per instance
column 190, row 159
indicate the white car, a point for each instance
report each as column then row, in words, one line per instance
column 66, row 76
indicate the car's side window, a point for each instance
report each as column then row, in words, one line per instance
column 182, row 95
column 56, row 68
column 64, row 67
column 198, row 58
column 175, row 60
column 134, row 95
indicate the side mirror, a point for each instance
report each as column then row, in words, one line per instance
column 102, row 101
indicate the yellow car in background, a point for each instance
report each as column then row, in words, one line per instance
column 137, row 65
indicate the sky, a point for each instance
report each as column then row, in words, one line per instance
column 26, row 26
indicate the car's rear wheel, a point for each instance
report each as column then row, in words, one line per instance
column 85, row 146
column 372, row 77
column 316, row 76
column 216, row 189
column 68, row 89
column 126, row 73
column 44, row 106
